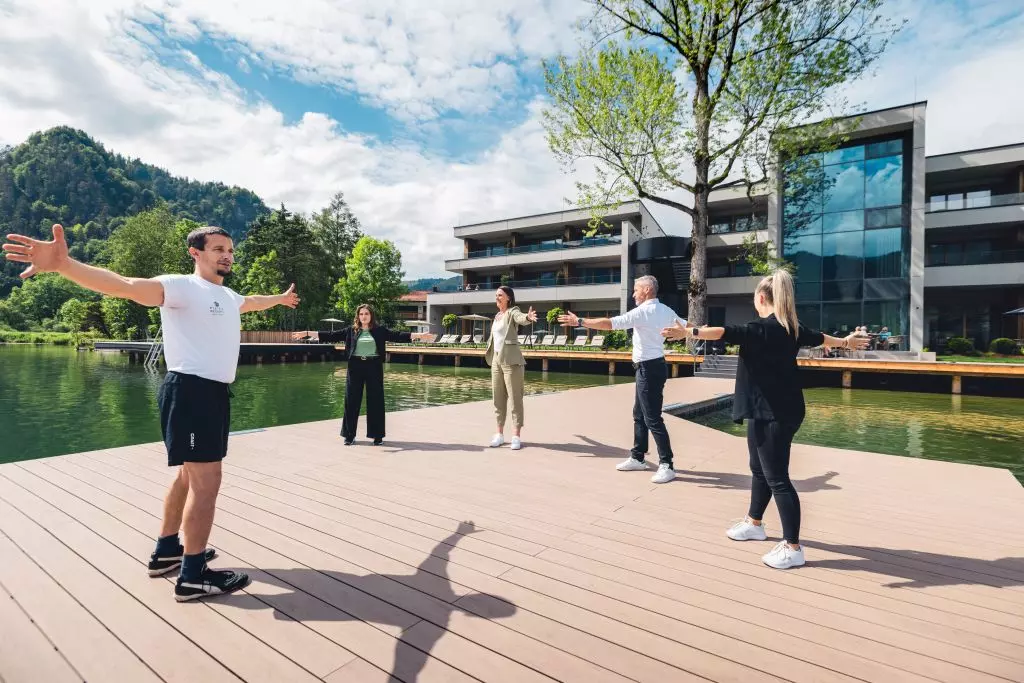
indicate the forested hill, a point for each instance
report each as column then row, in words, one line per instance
column 64, row 176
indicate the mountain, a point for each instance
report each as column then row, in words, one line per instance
column 452, row 284
column 64, row 176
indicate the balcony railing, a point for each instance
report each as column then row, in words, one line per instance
column 979, row 258
column 545, row 282
column 960, row 202
column 737, row 224
column 602, row 241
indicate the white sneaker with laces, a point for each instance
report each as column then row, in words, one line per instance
column 784, row 557
column 664, row 475
column 497, row 440
column 631, row 464
column 745, row 530
column 516, row 443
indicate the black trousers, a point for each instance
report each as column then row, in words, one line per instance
column 367, row 373
column 769, row 443
column 651, row 376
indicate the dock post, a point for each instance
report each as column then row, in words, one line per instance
column 675, row 369
column 956, row 384
column 611, row 367
column 458, row 360
column 387, row 357
column 419, row 361
column 259, row 360
column 544, row 365
column 847, row 379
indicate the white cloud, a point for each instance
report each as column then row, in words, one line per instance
column 98, row 68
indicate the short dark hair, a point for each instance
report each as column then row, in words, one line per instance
column 197, row 238
column 510, row 294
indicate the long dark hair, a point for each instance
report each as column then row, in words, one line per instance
column 373, row 317
column 510, row 294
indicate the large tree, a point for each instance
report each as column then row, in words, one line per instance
column 678, row 97
column 337, row 230
column 373, row 275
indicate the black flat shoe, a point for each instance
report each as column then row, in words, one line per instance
column 348, row 442
column 378, row 442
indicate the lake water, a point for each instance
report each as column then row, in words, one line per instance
column 969, row 429
column 55, row 400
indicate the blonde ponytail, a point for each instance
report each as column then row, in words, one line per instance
column 778, row 290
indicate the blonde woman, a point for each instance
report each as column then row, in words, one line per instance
column 507, row 363
column 770, row 398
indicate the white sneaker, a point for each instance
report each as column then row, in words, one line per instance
column 784, row 557
column 664, row 475
column 746, row 530
column 497, row 440
column 631, row 464
column 516, row 443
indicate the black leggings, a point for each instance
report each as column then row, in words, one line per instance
column 369, row 374
column 769, row 443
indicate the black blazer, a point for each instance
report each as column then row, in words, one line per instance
column 768, row 385
column 348, row 336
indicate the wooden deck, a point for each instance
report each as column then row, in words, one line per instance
column 436, row 559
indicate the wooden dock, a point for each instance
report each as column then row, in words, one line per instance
column 435, row 559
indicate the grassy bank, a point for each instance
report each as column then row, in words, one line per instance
column 54, row 338
column 986, row 358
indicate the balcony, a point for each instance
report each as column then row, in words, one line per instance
column 973, row 208
column 960, row 255
column 601, row 241
column 537, row 289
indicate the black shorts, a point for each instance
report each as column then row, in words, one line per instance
column 195, row 414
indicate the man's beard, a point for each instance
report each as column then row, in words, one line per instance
column 223, row 272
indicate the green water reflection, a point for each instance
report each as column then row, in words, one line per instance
column 55, row 400
column 970, row 429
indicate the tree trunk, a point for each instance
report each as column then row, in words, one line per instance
column 697, row 299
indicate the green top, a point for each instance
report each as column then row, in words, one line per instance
column 365, row 345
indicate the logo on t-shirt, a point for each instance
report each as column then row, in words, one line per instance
column 215, row 309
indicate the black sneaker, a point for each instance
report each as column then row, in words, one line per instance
column 210, row 582
column 164, row 564
column 348, row 442
column 378, row 442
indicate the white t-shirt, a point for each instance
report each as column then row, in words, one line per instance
column 498, row 330
column 647, row 320
column 202, row 327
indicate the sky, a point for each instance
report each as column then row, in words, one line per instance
column 425, row 119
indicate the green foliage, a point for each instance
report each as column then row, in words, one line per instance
column 41, row 297
column 299, row 258
column 761, row 256
column 756, row 72
column 449, row 321
column 373, row 275
column 56, row 338
column 960, row 346
column 552, row 316
column 64, row 176
column 74, row 313
column 616, row 339
column 1004, row 346
column 337, row 231
column 264, row 277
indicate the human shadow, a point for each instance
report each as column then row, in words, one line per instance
column 734, row 480
column 588, row 448
column 916, row 569
column 416, row 607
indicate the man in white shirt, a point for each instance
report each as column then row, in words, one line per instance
column 202, row 333
column 647, row 321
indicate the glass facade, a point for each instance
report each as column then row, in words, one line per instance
column 845, row 228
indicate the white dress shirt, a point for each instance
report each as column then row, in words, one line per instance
column 647, row 321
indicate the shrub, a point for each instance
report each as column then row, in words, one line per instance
column 732, row 349
column 959, row 346
column 552, row 316
column 616, row 339
column 1004, row 347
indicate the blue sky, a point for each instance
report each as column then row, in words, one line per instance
column 425, row 116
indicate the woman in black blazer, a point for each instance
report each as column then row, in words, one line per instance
column 365, row 351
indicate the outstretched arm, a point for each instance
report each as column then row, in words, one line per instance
column 574, row 320
column 52, row 257
column 261, row 302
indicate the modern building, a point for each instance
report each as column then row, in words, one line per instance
column 550, row 262
column 880, row 234
column 412, row 307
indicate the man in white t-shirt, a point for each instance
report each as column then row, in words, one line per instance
column 647, row 321
column 202, row 332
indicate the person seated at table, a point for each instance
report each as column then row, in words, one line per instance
column 883, row 337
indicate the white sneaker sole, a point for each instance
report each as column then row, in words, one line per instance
column 747, row 538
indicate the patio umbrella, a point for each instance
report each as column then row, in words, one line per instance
column 417, row 323
column 331, row 321
column 474, row 317
column 1016, row 311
